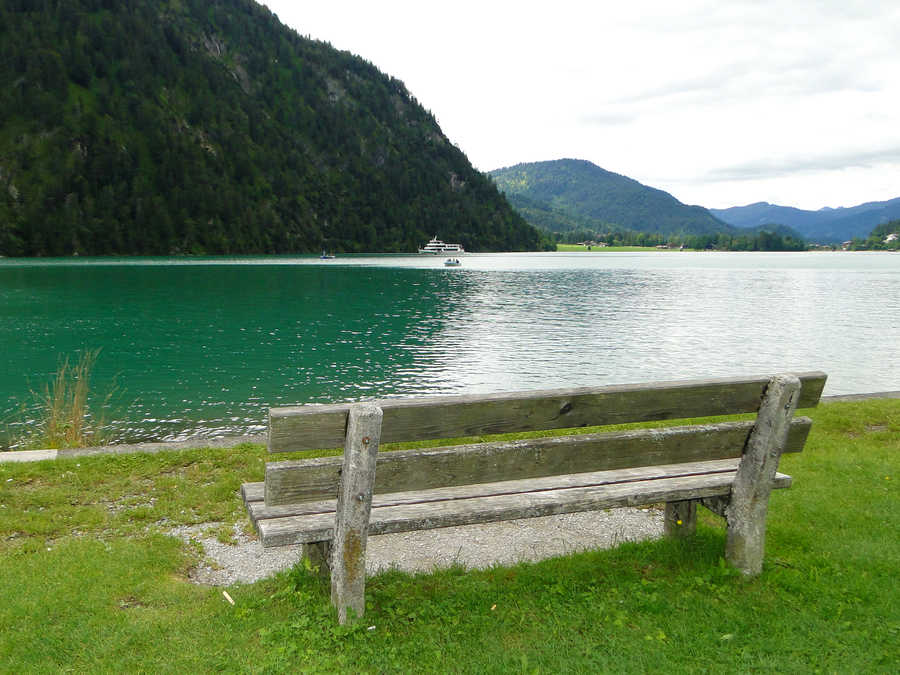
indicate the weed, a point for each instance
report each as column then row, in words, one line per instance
column 64, row 416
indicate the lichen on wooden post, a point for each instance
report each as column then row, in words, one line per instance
column 747, row 510
column 681, row 518
column 354, row 505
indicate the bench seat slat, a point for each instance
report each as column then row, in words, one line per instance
column 290, row 482
column 409, row 517
column 446, row 507
column 260, row 511
column 316, row 426
column 253, row 492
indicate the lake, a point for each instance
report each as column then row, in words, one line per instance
column 202, row 347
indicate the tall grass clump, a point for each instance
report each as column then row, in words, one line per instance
column 64, row 419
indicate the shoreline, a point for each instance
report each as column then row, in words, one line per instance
column 232, row 441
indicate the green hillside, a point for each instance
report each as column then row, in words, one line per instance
column 569, row 194
column 206, row 126
column 545, row 217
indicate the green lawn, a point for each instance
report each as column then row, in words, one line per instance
column 90, row 582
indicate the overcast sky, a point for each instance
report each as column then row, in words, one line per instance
column 720, row 102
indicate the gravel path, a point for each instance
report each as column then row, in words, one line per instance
column 474, row 546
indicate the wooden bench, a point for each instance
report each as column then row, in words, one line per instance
column 332, row 504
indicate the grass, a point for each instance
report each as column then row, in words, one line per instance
column 63, row 415
column 91, row 582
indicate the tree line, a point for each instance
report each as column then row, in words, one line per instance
column 879, row 239
column 751, row 240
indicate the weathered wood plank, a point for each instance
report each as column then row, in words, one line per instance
column 252, row 492
column 680, row 518
column 302, row 480
column 292, row 482
column 322, row 426
column 429, row 515
column 746, row 512
column 547, row 484
column 259, row 511
column 354, row 503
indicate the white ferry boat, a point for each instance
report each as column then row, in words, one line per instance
column 436, row 246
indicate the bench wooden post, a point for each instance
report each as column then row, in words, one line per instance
column 746, row 513
column 681, row 518
column 354, row 505
column 319, row 555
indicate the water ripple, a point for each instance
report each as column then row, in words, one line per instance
column 204, row 349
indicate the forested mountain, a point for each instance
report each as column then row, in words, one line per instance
column 570, row 194
column 206, row 126
column 824, row 225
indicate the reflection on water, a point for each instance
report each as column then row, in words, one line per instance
column 204, row 347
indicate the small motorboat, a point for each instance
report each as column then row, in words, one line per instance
column 452, row 262
column 325, row 256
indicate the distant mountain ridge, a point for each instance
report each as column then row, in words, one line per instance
column 568, row 194
column 824, row 226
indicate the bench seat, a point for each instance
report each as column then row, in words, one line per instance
column 507, row 500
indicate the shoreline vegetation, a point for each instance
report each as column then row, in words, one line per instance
column 758, row 245
column 583, row 248
column 88, row 544
column 66, row 413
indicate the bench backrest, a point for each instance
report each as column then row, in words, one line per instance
column 325, row 426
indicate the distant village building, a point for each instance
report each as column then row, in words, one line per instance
column 893, row 236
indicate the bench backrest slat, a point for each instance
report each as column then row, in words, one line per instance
column 318, row 479
column 318, row 426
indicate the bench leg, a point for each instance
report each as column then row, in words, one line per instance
column 749, row 505
column 354, row 505
column 681, row 518
column 319, row 555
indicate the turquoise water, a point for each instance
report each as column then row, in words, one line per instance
column 202, row 347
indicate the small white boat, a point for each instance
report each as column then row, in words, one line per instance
column 326, row 256
column 436, row 246
column 452, row 262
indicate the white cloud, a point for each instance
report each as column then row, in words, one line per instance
column 717, row 101
column 788, row 165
